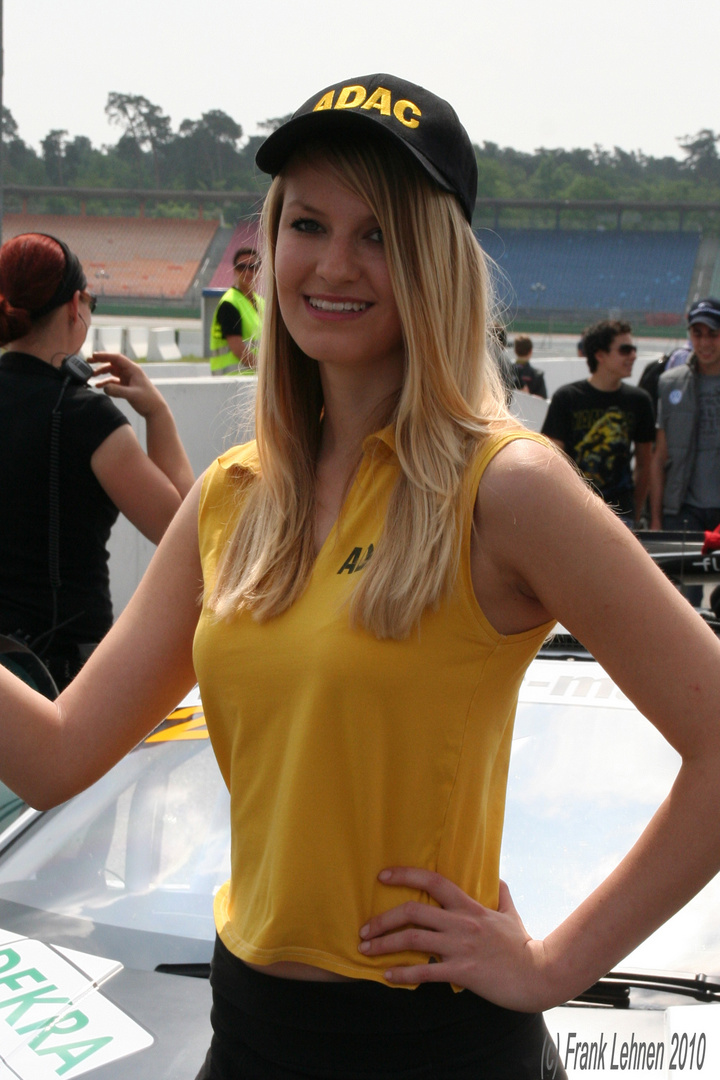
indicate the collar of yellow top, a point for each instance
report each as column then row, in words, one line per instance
column 386, row 436
column 247, row 459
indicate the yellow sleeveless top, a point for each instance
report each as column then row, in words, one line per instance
column 344, row 754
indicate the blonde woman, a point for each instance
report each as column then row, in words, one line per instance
column 377, row 571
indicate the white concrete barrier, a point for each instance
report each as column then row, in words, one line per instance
column 88, row 346
column 163, row 344
column 212, row 414
column 190, row 342
column 136, row 340
column 167, row 369
column 109, row 339
column 559, row 370
column 530, row 409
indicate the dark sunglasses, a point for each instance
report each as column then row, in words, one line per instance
column 247, row 266
column 90, row 299
column 627, row 350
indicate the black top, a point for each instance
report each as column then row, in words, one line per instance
column 598, row 429
column 525, row 375
column 229, row 320
column 29, row 391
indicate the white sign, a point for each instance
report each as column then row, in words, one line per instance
column 53, row 1020
column 633, row 1044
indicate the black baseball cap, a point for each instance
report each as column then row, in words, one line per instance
column 705, row 311
column 413, row 117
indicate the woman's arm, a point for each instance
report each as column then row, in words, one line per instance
column 138, row 673
column 559, row 551
column 148, row 489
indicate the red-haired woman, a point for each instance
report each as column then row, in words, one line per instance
column 69, row 458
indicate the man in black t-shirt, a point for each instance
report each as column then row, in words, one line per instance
column 599, row 421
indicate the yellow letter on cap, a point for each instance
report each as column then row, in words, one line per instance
column 402, row 107
column 325, row 101
column 344, row 100
column 380, row 99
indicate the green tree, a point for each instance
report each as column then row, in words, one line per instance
column 53, row 151
column 207, row 148
column 21, row 165
column 702, row 153
column 146, row 126
column 268, row 126
column 9, row 126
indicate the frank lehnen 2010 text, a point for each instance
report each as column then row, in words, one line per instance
column 611, row 1054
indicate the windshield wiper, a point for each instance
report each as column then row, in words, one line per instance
column 195, row 971
column 612, row 990
column 615, row 988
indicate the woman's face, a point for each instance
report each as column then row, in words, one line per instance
column 332, row 277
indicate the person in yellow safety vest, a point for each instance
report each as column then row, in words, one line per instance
column 235, row 329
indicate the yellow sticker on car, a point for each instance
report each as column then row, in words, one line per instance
column 185, row 723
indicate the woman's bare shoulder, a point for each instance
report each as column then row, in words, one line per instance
column 527, row 479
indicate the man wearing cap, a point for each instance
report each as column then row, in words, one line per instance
column 685, row 488
column 237, row 321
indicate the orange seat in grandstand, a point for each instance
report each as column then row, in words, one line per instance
column 128, row 256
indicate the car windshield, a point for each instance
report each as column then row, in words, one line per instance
column 587, row 772
column 147, row 847
column 144, row 849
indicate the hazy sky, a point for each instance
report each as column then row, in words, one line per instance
column 631, row 73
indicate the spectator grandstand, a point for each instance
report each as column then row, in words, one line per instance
column 592, row 271
column 567, row 275
column 128, row 256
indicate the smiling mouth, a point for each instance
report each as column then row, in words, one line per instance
column 337, row 305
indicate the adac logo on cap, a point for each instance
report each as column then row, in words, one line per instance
column 354, row 97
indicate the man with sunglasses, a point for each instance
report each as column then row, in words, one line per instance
column 685, row 490
column 235, row 329
column 602, row 422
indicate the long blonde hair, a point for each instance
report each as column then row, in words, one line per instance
column 451, row 399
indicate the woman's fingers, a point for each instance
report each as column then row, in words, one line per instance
column 100, row 369
column 448, row 897
column 411, row 913
column 409, row 939
column 443, row 891
column 418, row 973
column 486, row 950
column 126, row 370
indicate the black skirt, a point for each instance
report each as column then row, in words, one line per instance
column 268, row 1028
